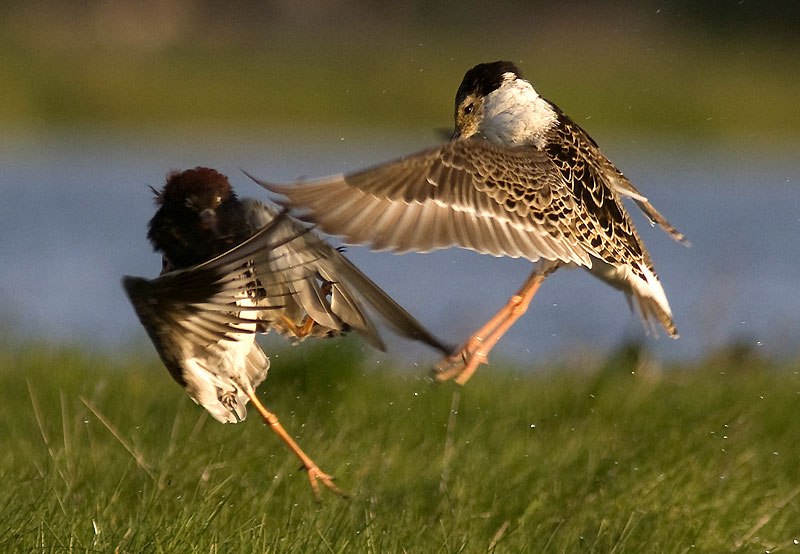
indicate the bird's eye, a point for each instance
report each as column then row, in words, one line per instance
column 189, row 202
column 468, row 109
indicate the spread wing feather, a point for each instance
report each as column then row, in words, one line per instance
column 561, row 203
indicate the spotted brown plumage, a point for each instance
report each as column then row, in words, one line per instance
column 518, row 178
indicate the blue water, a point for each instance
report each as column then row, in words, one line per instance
column 75, row 209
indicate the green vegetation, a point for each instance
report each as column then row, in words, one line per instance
column 723, row 74
column 710, row 93
column 107, row 454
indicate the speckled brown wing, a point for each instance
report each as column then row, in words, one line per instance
column 557, row 203
column 521, row 201
column 605, row 228
column 470, row 193
column 624, row 187
column 575, row 136
column 621, row 258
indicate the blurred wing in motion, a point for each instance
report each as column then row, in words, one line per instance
column 203, row 319
column 314, row 278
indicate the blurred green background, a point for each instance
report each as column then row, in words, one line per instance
column 719, row 71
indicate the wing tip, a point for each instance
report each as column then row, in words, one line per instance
column 272, row 187
column 131, row 284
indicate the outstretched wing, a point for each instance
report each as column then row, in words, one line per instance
column 187, row 312
column 556, row 203
column 474, row 194
column 316, row 279
column 468, row 193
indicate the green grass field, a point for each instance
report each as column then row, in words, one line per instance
column 107, row 454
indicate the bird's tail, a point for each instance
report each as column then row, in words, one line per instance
column 645, row 292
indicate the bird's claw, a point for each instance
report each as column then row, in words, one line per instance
column 314, row 475
column 462, row 364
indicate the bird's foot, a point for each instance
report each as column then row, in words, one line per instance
column 297, row 331
column 315, row 474
column 463, row 363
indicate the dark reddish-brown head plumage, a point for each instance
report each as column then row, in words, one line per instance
column 202, row 183
column 199, row 217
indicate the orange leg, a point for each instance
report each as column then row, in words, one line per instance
column 299, row 331
column 314, row 473
column 463, row 363
column 302, row 330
